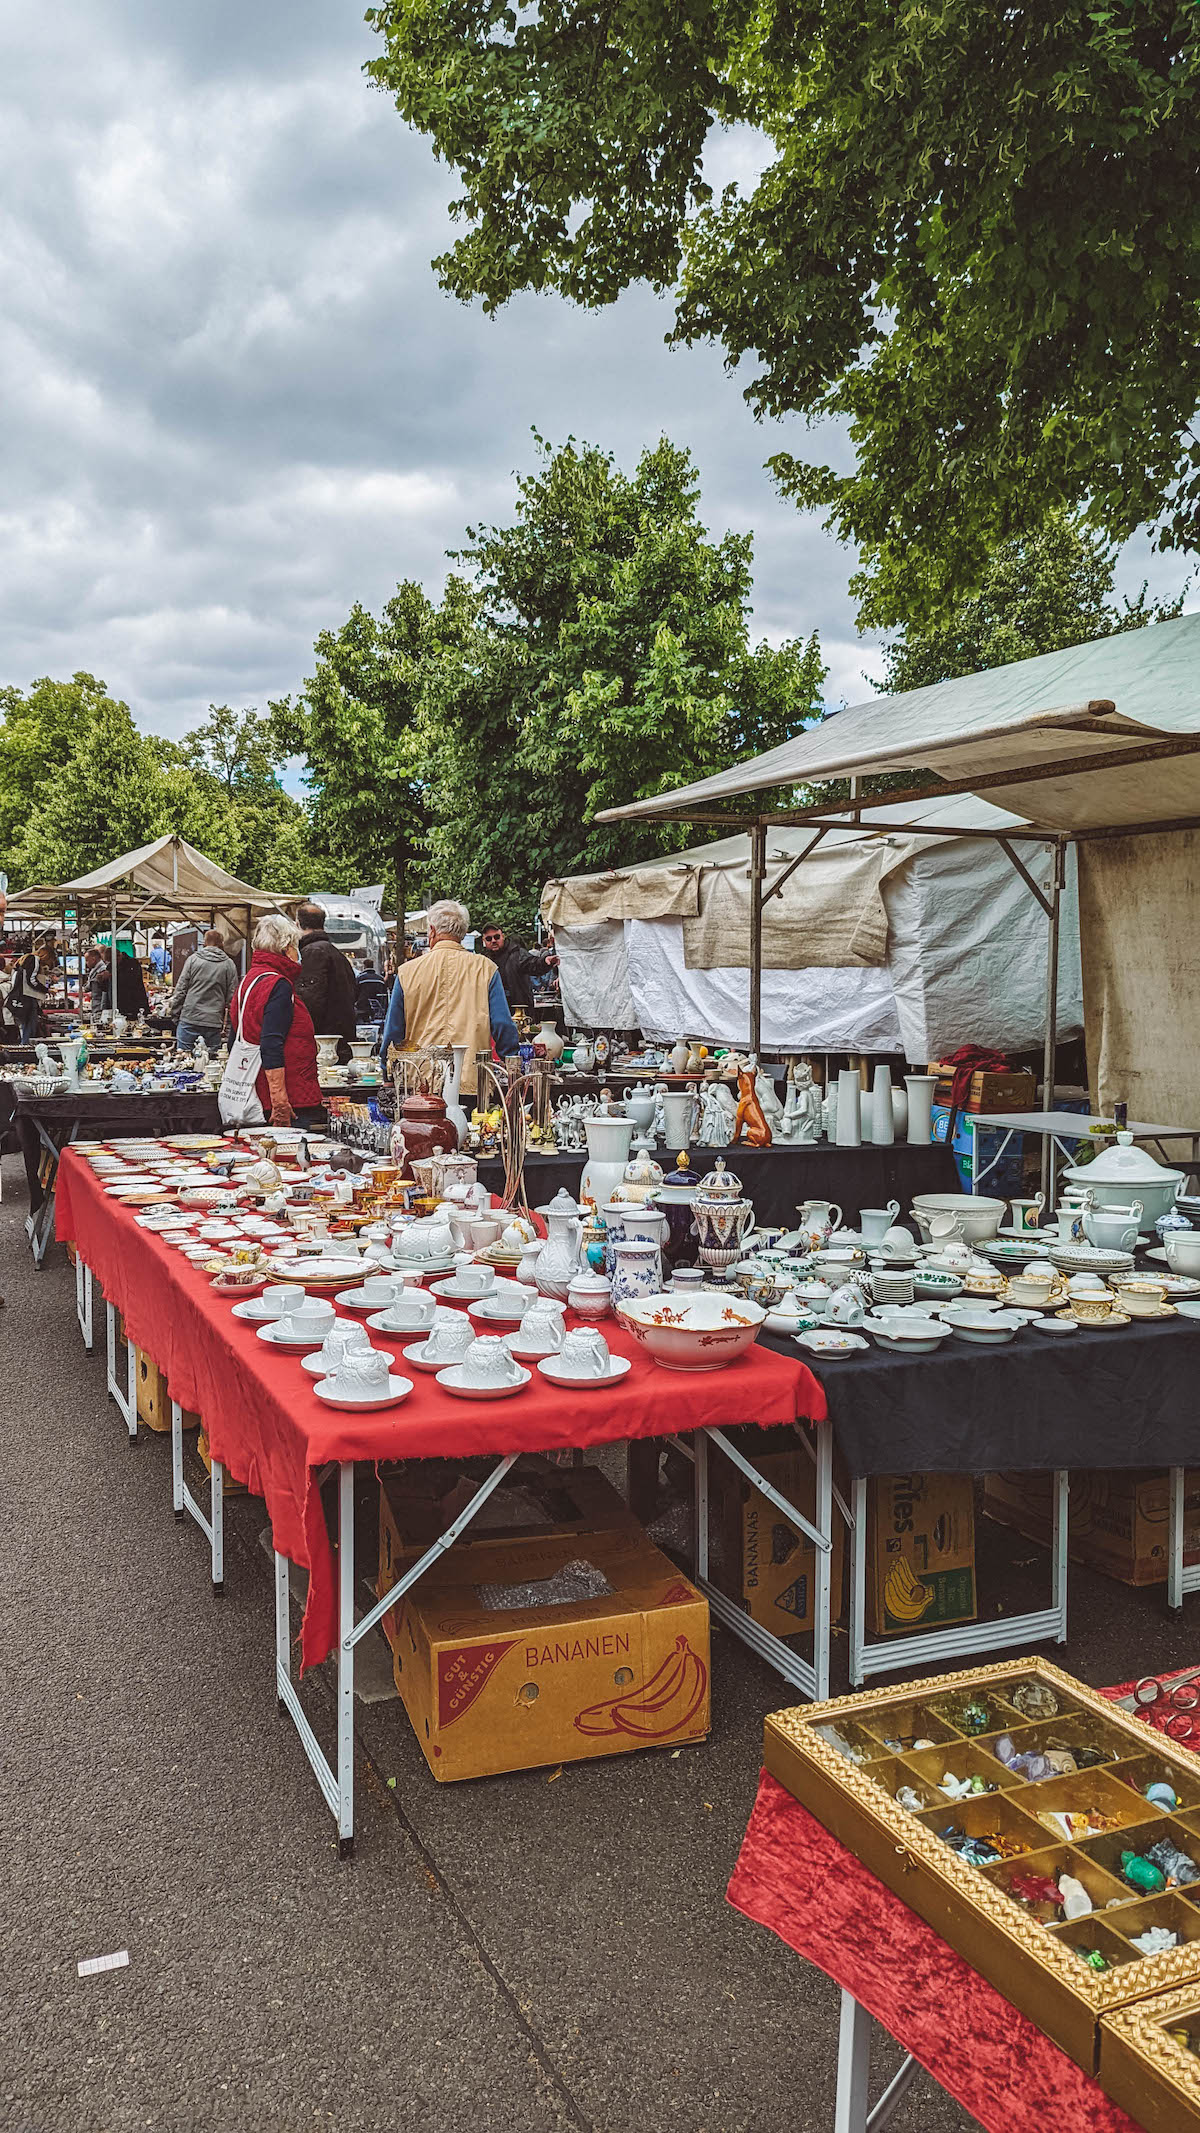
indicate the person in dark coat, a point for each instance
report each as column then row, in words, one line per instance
column 516, row 965
column 326, row 982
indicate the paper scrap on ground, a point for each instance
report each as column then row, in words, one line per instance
column 94, row 1963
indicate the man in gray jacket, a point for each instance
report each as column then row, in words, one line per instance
column 200, row 1001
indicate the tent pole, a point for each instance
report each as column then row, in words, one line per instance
column 112, row 948
column 758, row 852
column 1050, row 1047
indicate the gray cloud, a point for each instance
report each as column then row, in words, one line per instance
column 235, row 398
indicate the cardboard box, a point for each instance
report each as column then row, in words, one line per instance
column 489, row 1687
column 418, row 1501
column 229, row 1487
column 761, row 1558
column 987, row 1092
column 1117, row 1521
column 920, row 1552
column 153, row 1398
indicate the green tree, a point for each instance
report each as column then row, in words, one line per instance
column 107, row 798
column 1040, row 594
column 355, row 724
column 600, row 654
column 975, row 241
column 39, row 733
column 233, row 762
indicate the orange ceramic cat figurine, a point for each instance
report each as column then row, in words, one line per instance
column 750, row 1113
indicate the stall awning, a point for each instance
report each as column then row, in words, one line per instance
column 166, row 879
column 1102, row 735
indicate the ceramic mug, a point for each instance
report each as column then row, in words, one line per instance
column 875, row 1222
column 342, row 1340
column 474, row 1280
column 1140, row 1296
column 361, row 1371
column 378, row 1290
column 482, row 1231
column 585, row 1353
column 281, row 1299
column 313, row 1317
column 543, row 1325
column 1030, row 1289
column 449, row 1341
column 489, row 1361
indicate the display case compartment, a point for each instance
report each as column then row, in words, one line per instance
column 908, row 1723
column 1028, row 1962
column 1094, row 1932
column 1137, row 1837
column 960, row 1759
column 1075, row 1731
column 1055, row 1860
column 893, row 1773
column 1172, row 1910
column 1139, row 1771
column 1147, row 2068
column 869, row 1748
column 1001, row 1716
column 1090, row 1792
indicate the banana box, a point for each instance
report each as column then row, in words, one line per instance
column 498, row 1671
column 920, row 1552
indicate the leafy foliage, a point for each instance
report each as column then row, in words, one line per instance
column 975, row 241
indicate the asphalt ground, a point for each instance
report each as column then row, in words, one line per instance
column 540, row 1951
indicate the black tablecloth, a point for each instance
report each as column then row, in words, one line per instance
column 1124, row 1397
column 778, row 1179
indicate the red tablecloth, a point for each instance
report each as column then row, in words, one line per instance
column 265, row 1423
column 793, row 1877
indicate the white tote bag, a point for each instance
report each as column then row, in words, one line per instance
column 237, row 1096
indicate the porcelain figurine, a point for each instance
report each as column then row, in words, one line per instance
column 801, row 1121
column 749, row 1118
column 717, row 1115
column 769, row 1101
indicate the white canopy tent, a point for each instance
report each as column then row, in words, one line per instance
column 1097, row 746
column 911, row 943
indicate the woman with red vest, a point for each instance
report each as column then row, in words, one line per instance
column 266, row 1009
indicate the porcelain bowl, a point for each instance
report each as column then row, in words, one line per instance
column 977, row 1216
column 684, row 1332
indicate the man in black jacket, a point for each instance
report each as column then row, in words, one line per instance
column 516, row 965
column 326, row 981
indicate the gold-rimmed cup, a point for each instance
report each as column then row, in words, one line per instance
column 1140, row 1295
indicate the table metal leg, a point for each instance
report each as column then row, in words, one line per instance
column 967, row 1640
column 127, row 1400
column 811, row 1678
column 338, row 1788
column 83, row 1301
column 185, row 1504
column 852, row 2112
column 1180, row 1579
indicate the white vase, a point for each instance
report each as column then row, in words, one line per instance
column 549, row 1039
column 454, row 1110
column 920, row 1107
column 678, row 1056
column 899, row 1112
column 608, row 1152
column 637, row 1270
column 849, row 1093
column 679, row 1117
column 883, row 1132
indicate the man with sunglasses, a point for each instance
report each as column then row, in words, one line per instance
column 516, row 965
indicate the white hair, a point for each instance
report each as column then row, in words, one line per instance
column 449, row 919
column 275, row 934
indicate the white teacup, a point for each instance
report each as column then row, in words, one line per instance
column 410, row 1311
column 1182, row 1247
column 584, row 1352
column 281, row 1299
column 313, row 1318
column 379, row 1289
column 343, row 1339
column 482, row 1231
column 474, row 1280
column 489, row 1361
column 542, row 1325
column 448, row 1342
column 362, row 1371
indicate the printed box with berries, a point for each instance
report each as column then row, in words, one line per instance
column 498, row 1671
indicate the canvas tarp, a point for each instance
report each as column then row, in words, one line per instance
column 1138, row 904
column 1134, row 693
column 837, row 921
column 660, row 890
column 166, row 879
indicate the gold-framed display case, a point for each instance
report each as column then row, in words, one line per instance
column 1150, row 2060
column 974, row 1795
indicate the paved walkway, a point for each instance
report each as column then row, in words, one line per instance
column 520, row 1953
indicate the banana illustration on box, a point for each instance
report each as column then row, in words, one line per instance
column 904, row 1596
column 665, row 1703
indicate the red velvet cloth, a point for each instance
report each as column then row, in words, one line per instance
column 796, row 1879
column 265, row 1423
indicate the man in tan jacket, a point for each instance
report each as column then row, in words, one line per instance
column 449, row 996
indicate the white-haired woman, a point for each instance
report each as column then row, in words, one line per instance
column 266, row 1009
column 449, row 997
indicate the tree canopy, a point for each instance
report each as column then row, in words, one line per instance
column 975, row 241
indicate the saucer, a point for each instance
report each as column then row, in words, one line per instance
column 294, row 1344
column 416, row 1356
column 398, row 1389
column 1101, row 1325
column 354, row 1300
column 451, row 1380
column 442, row 1316
column 452, row 1290
column 1061, row 1323
column 527, row 1351
column 253, row 1311
column 551, row 1366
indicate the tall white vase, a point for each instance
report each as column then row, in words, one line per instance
column 920, row 1107
column 899, row 1111
column 608, row 1152
column 454, row 1110
column 849, row 1092
column 679, row 1117
column 883, row 1133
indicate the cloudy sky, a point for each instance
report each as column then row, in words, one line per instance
column 235, row 399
